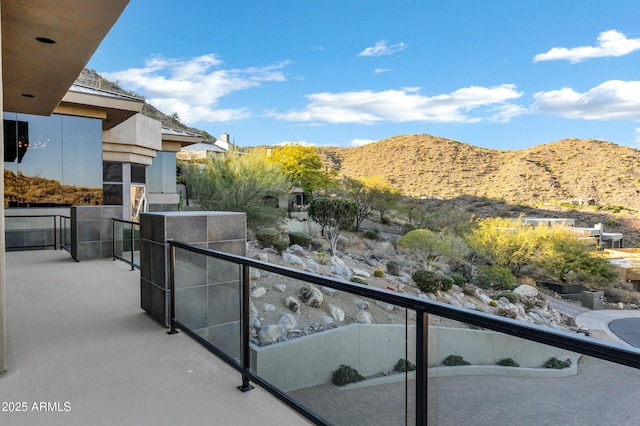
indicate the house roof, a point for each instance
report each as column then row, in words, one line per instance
column 112, row 107
column 204, row 146
column 45, row 46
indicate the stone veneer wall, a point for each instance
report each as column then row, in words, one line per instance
column 92, row 231
column 207, row 290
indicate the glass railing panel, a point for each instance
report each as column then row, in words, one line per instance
column 29, row 232
column 207, row 300
column 483, row 377
column 135, row 256
column 333, row 352
column 118, row 239
column 65, row 233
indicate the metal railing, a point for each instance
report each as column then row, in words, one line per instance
column 65, row 233
column 205, row 285
column 126, row 242
column 38, row 234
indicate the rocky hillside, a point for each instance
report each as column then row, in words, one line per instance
column 428, row 166
column 91, row 78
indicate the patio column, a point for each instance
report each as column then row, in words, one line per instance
column 222, row 231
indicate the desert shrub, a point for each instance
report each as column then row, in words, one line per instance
column 300, row 238
column 280, row 245
column 358, row 280
column 508, row 362
column 267, row 236
column 507, row 313
column 453, row 360
column 528, row 304
column 469, row 289
column 497, row 277
column 511, row 297
column 458, row 279
column 427, row 281
column 345, row 375
column 316, row 244
column 619, row 295
column 393, row 268
column 556, row 363
column 372, row 234
column 446, row 283
column 378, row 273
column 404, row 365
column 322, row 257
column 624, row 285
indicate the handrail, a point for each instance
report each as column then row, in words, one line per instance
column 578, row 343
column 131, row 261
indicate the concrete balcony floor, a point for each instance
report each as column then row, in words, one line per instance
column 79, row 343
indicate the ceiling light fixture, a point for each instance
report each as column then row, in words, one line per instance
column 45, row 40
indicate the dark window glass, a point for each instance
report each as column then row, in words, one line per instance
column 10, row 140
column 111, row 172
column 138, row 173
column 112, row 194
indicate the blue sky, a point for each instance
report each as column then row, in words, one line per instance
column 498, row 74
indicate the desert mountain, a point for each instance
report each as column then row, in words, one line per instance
column 429, row 166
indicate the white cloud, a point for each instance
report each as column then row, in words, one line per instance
column 613, row 99
column 504, row 113
column 636, row 135
column 193, row 87
column 361, row 142
column 610, row 43
column 367, row 107
column 380, row 70
column 381, row 49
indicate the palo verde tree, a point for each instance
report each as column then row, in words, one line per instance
column 302, row 164
column 431, row 245
column 565, row 254
column 505, row 242
column 239, row 183
column 370, row 194
column 334, row 215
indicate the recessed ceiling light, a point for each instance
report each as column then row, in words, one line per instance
column 45, row 40
column 28, row 95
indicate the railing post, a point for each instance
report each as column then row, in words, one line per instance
column 113, row 240
column 172, row 288
column 132, row 245
column 244, row 335
column 55, row 233
column 422, row 367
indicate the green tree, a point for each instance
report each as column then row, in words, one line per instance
column 240, row 183
column 302, row 164
column 370, row 194
column 565, row 254
column 334, row 215
column 431, row 245
column 505, row 242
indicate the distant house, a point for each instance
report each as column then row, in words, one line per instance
column 627, row 262
column 606, row 240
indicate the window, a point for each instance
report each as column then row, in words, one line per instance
column 52, row 161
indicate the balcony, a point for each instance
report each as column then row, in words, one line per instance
column 79, row 343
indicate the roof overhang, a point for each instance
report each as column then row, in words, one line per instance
column 116, row 109
column 37, row 75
